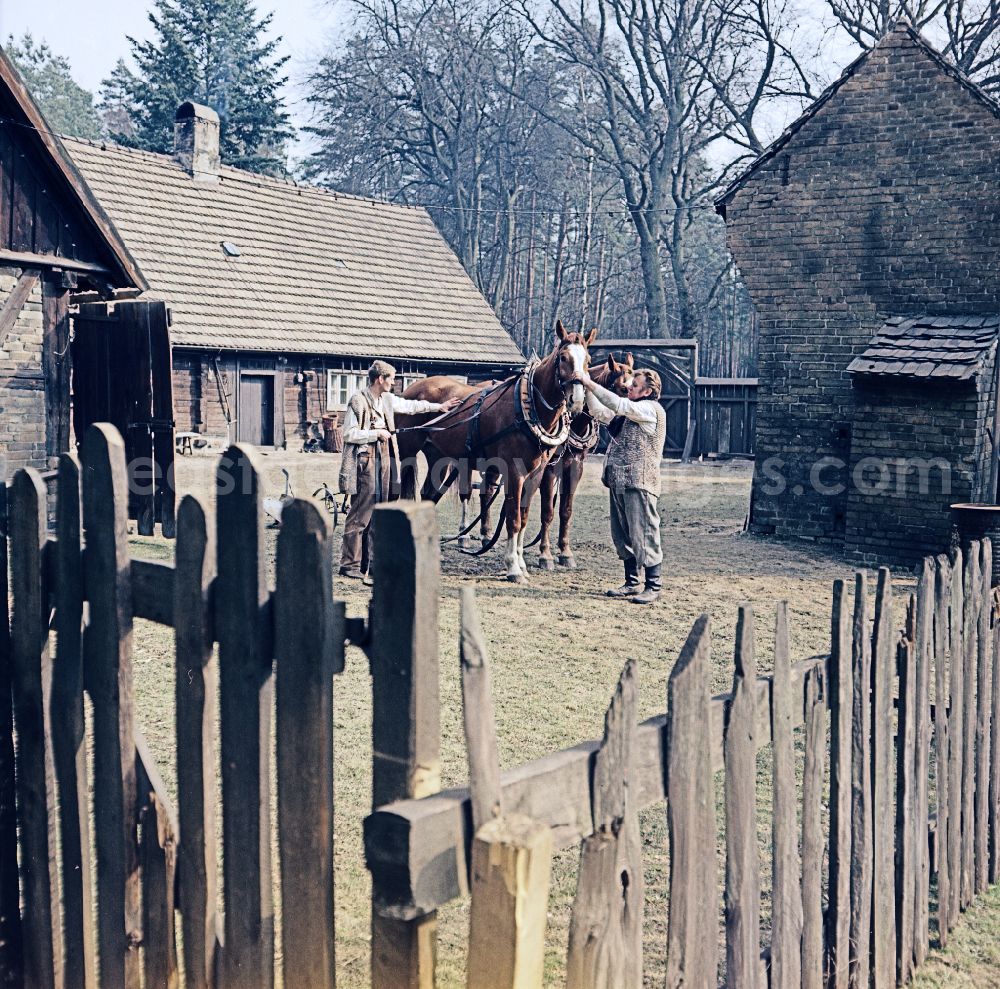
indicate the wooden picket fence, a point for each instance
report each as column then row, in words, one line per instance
column 156, row 864
column 900, row 800
column 900, row 724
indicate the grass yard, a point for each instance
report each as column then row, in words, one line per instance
column 558, row 647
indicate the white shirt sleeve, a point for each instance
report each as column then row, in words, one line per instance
column 353, row 433
column 643, row 413
column 412, row 406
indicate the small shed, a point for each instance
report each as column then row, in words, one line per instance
column 281, row 294
column 868, row 237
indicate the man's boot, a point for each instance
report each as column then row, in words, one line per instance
column 631, row 585
column 653, row 587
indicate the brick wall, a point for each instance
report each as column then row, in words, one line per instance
column 884, row 202
column 915, row 451
column 22, row 387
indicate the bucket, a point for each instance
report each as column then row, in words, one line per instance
column 979, row 520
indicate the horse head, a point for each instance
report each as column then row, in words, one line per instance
column 572, row 359
column 618, row 376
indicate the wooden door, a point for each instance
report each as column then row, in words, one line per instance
column 256, row 411
column 122, row 374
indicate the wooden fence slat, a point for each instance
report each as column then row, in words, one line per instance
column 841, row 693
column 107, row 646
column 984, row 702
column 406, row 751
column 158, row 855
column 970, row 635
column 32, row 677
column 742, row 852
column 786, row 894
column 924, row 645
column 11, row 956
column 942, row 600
column 605, row 932
column 692, row 961
column 306, row 658
column 812, row 832
column 477, row 710
column 862, row 824
column 956, row 735
column 883, row 881
column 69, row 748
column 995, row 744
column 511, row 854
column 908, row 828
column 246, row 696
column 196, row 690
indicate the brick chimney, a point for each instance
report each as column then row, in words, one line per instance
column 196, row 141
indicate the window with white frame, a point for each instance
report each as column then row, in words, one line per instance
column 409, row 379
column 341, row 385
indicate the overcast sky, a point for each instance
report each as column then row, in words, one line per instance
column 93, row 35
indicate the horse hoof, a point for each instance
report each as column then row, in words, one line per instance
column 567, row 561
column 545, row 563
column 465, row 543
column 515, row 578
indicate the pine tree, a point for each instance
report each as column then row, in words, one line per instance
column 67, row 107
column 212, row 52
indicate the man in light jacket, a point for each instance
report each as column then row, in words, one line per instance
column 370, row 454
column 638, row 428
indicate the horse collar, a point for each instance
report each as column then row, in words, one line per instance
column 529, row 413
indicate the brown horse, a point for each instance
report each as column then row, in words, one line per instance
column 506, row 431
column 562, row 474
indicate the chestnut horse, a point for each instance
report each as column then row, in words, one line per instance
column 562, row 474
column 507, row 431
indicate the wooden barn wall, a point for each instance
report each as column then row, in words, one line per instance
column 33, row 218
column 199, row 408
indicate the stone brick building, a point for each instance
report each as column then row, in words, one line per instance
column 54, row 240
column 868, row 237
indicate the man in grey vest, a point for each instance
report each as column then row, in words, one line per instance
column 370, row 452
column 638, row 428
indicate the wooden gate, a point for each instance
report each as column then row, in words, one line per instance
column 122, row 375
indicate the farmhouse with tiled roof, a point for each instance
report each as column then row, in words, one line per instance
column 868, row 237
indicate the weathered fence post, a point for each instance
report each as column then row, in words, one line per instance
column 68, row 742
column 883, row 886
column 692, row 960
column 605, row 933
column 196, row 690
column 909, row 829
column 742, row 853
column 841, row 692
column 786, row 918
column 956, row 744
column 406, row 731
column 972, row 601
column 247, row 692
column 107, row 648
column 862, row 813
column 511, row 855
column 812, row 829
column 984, row 702
column 995, row 742
column 924, row 645
column 32, row 677
column 308, row 654
column 942, row 758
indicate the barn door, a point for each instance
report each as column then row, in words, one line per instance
column 122, row 375
column 256, row 409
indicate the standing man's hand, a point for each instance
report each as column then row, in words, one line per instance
column 587, row 381
column 382, row 434
column 450, row 404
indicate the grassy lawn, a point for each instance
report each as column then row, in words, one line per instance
column 558, row 646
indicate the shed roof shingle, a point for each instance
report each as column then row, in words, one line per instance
column 317, row 272
column 930, row 346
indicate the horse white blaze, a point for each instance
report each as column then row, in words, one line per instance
column 577, row 395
